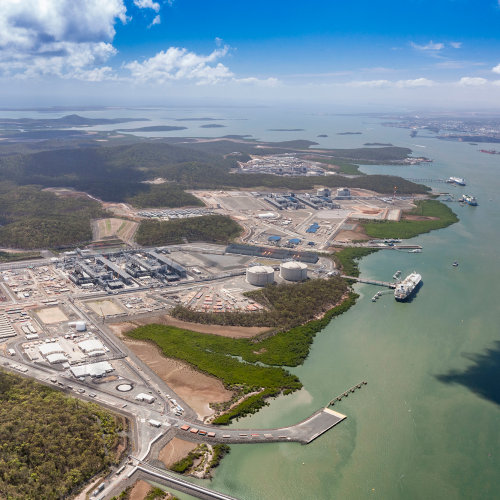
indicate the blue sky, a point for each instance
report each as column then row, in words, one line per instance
column 409, row 50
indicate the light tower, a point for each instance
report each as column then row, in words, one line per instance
column 394, row 197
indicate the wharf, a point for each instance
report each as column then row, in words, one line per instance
column 388, row 284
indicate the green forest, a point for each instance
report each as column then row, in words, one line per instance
column 164, row 195
column 210, row 228
column 288, row 305
column 115, row 173
column 32, row 218
column 15, row 256
column 50, row 443
column 410, row 228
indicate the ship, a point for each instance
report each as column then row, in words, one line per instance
column 413, row 133
column 407, row 287
column 491, row 152
column 471, row 200
column 458, row 180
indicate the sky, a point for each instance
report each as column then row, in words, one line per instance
column 137, row 52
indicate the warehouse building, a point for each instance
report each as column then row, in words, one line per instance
column 94, row 370
column 92, row 348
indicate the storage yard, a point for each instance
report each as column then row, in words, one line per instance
column 303, row 220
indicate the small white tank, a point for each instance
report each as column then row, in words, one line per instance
column 80, row 326
column 293, row 271
column 260, row 275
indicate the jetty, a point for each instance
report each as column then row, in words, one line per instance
column 388, row 284
column 346, row 393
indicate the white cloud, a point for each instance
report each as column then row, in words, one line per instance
column 147, row 4
column 419, row 82
column 430, row 46
column 218, row 41
column 496, row 69
column 370, row 84
column 176, row 64
column 55, row 37
column 156, row 20
column 449, row 65
column 270, row 82
column 472, row 82
column 92, row 75
column 383, row 84
column 456, row 45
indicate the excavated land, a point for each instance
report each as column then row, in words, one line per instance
column 194, row 387
column 175, row 450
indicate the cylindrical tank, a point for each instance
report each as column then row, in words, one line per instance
column 80, row 326
column 293, row 271
column 260, row 275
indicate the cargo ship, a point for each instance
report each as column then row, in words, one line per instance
column 471, row 200
column 407, row 287
column 413, row 133
column 457, row 180
column 492, row 152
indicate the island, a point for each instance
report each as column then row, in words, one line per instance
column 154, row 128
column 64, row 122
column 212, row 125
column 322, row 135
column 349, row 133
column 378, row 144
column 285, row 130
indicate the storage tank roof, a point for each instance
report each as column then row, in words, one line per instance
column 261, row 269
column 294, row 265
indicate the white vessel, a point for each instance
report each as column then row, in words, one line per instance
column 407, row 287
column 458, row 180
column 417, row 250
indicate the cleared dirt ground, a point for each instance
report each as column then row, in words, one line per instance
column 139, row 490
column 357, row 234
column 175, row 450
column 195, row 388
column 223, row 331
column 51, row 315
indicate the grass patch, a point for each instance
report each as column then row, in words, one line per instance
column 410, row 228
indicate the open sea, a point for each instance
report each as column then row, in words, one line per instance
column 427, row 424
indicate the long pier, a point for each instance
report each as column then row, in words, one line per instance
column 346, row 393
column 388, row 284
column 423, row 180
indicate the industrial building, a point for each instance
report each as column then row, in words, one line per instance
column 145, row 397
column 283, row 201
column 260, row 275
column 293, row 271
column 6, row 329
column 92, row 348
column 94, row 370
column 344, row 193
column 317, row 202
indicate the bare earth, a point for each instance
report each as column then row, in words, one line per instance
column 51, row 315
column 194, row 387
column 357, row 234
column 418, row 217
column 175, row 450
column 139, row 491
column 223, row 331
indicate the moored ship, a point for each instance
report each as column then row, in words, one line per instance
column 407, row 287
column 471, row 200
column 458, row 180
column 491, row 152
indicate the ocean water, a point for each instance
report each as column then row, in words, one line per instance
column 427, row 424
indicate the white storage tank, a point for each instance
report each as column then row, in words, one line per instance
column 80, row 326
column 293, row 271
column 260, row 275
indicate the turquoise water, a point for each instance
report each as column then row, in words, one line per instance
column 427, row 424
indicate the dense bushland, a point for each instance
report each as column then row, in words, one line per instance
column 210, row 228
column 50, row 443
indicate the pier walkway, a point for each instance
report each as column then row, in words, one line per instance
column 388, row 284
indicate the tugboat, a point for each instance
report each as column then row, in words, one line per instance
column 455, row 264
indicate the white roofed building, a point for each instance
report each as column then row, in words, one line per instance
column 94, row 369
